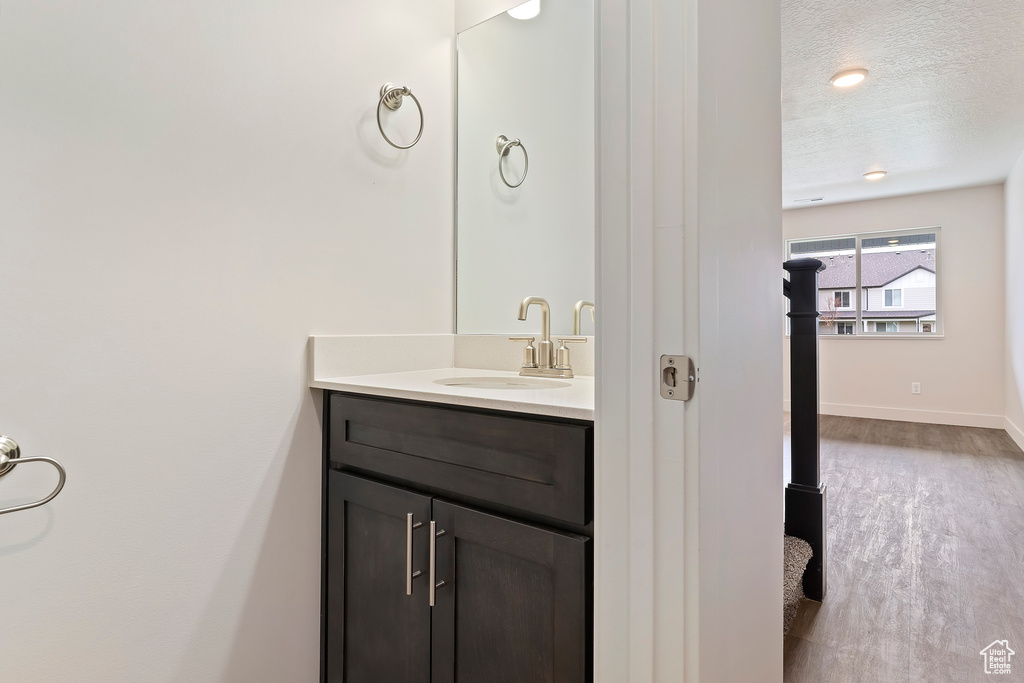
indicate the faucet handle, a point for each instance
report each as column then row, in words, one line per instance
column 562, row 354
column 529, row 353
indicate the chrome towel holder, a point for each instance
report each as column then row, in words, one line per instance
column 504, row 146
column 391, row 96
column 10, row 456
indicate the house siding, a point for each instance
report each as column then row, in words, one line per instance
column 918, row 292
column 826, row 295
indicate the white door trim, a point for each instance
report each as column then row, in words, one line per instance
column 638, row 160
column 688, row 522
column 612, row 531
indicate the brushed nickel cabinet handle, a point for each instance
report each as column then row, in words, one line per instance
column 409, row 573
column 434, row 584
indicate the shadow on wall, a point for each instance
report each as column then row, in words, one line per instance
column 258, row 575
column 371, row 143
column 31, row 539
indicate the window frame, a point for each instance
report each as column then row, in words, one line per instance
column 860, row 294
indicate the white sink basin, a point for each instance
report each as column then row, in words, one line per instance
column 531, row 383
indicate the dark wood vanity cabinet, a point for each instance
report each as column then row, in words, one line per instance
column 388, row 633
column 517, row 610
column 513, row 601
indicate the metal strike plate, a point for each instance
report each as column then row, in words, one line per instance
column 678, row 378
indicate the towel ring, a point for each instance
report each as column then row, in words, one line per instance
column 504, row 146
column 10, row 455
column 391, row 96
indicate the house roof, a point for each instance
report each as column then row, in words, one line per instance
column 873, row 315
column 878, row 268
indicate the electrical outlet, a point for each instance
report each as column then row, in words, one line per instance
column 915, row 387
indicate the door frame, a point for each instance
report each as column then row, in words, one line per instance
column 689, row 109
column 641, row 442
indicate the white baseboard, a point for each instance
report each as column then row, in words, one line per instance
column 935, row 417
column 1015, row 432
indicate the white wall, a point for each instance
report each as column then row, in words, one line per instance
column 962, row 374
column 187, row 191
column 1014, row 364
column 532, row 80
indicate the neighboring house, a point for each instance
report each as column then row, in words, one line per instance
column 898, row 292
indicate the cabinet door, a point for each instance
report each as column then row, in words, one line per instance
column 375, row 632
column 514, row 606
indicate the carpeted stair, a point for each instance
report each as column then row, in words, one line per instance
column 796, row 554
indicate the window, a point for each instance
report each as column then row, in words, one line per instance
column 873, row 272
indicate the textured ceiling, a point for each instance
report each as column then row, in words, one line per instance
column 942, row 107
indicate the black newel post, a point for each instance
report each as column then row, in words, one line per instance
column 805, row 494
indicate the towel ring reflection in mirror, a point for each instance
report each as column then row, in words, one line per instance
column 391, row 96
column 504, row 146
column 10, row 455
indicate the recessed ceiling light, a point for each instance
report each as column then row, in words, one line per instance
column 844, row 79
column 874, row 175
column 894, row 240
column 527, row 10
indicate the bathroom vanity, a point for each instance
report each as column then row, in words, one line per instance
column 458, row 494
column 457, row 538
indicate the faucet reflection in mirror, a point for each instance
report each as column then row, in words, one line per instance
column 577, row 311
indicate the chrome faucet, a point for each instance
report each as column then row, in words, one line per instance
column 542, row 360
column 577, row 311
column 545, row 349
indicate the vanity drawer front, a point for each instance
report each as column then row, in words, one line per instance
column 528, row 464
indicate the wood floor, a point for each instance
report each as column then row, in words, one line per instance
column 926, row 555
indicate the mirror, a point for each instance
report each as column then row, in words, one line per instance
column 530, row 80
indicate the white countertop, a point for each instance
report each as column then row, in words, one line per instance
column 575, row 401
